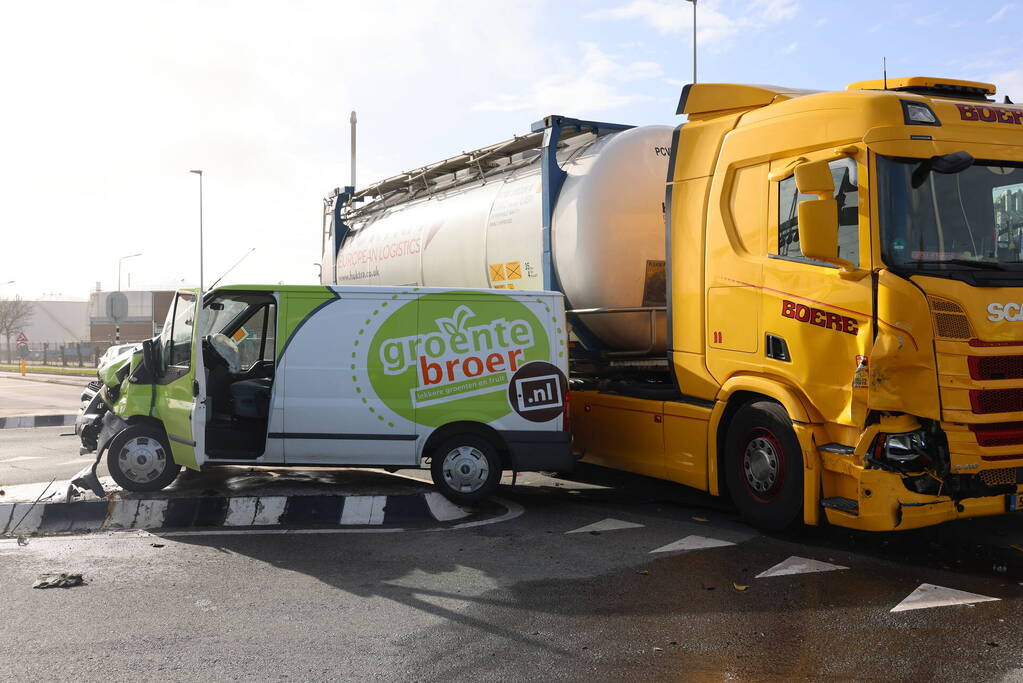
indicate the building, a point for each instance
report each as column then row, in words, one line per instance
column 146, row 312
column 58, row 322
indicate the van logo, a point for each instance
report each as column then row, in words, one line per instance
column 1011, row 312
column 463, row 357
column 537, row 391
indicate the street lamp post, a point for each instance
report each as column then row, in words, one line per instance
column 119, row 262
column 694, row 39
column 198, row 172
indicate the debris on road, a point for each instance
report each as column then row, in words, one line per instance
column 739, row 587
column 22, row 540
column 61, row 580
column 700, row 519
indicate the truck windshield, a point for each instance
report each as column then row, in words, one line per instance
column 967, row 220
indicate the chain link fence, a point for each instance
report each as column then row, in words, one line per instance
column 84, row 354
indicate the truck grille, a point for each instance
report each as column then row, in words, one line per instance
column 1001, row 477
column 998, row 434
column 996, row 367
column 986, row 401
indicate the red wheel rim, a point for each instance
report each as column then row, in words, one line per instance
column 762, row 465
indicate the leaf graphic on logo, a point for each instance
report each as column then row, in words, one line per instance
column 448, row 325
column 462, row 313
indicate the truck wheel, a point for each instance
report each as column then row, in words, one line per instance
column 139, row 459
column 466, row 468
column 764, row 466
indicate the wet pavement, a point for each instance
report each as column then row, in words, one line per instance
column 597, row 576
column 603, row 576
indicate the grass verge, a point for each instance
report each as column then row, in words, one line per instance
column 47, row 370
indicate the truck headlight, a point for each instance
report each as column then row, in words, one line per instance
column 905, row 447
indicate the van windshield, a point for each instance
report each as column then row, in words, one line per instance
column 972, row 219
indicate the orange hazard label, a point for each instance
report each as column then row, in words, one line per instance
column 497, row 272
column 514, row 270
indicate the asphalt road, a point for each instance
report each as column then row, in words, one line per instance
column 28, row 456
column 521, row 599
column 32, row 397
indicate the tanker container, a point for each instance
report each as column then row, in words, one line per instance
column 574, row 206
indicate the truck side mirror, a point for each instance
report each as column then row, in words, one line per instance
column 818, row 219
column 818, row 230
column 814, row 177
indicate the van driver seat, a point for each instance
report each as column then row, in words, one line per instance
column 251, row 398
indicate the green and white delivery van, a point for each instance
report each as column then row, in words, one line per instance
column 306, row 376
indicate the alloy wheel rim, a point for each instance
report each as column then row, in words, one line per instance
column 763, row 465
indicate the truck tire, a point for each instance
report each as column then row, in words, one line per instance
column 139, row 459
column 466, row 468
column 764, row 466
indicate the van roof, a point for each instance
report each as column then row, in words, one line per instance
column 367, row 289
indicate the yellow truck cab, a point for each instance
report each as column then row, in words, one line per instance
column 845, row 307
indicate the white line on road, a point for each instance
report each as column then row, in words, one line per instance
column 22, row 458
column 928, row 595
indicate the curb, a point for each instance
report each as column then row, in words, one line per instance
column 220, row 511
column 25, row 421
column 49, row 378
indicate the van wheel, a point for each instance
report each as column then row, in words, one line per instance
column 139, row 459
column 764, row 466
column 466, row 468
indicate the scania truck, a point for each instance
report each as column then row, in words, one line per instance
column 820, row 314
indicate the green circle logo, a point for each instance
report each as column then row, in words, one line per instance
column 449, row 356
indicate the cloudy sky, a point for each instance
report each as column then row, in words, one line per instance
column 107, row 105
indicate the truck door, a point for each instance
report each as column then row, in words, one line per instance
column 817, row 320
column 181, row 389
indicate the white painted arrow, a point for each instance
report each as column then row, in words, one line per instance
column 692, row 543
column 928, row 595
column 608, row 524
column 799, row 565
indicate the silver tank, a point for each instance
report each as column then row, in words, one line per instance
column 607, row 233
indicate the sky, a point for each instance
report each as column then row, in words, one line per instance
column 106, row 106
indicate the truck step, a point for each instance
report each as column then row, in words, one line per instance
column 843, row 504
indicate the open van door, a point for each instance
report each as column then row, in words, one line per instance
column 181, row 389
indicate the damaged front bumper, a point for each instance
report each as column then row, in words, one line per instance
column 87, row 479
column 877, row 500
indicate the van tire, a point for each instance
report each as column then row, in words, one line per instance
column 466, row 468
column 764, row 466
column 135, row 453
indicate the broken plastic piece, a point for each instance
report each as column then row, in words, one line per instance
column 61, row 580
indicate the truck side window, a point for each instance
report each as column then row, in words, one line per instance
column 843, row 171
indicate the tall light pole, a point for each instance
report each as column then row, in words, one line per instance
column 694, row 39
column 199, row 173
column 119, row 262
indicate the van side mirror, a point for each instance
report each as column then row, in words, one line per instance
column 149, row 358
column 818, row 219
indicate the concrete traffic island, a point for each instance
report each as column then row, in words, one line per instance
column 237, row 498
